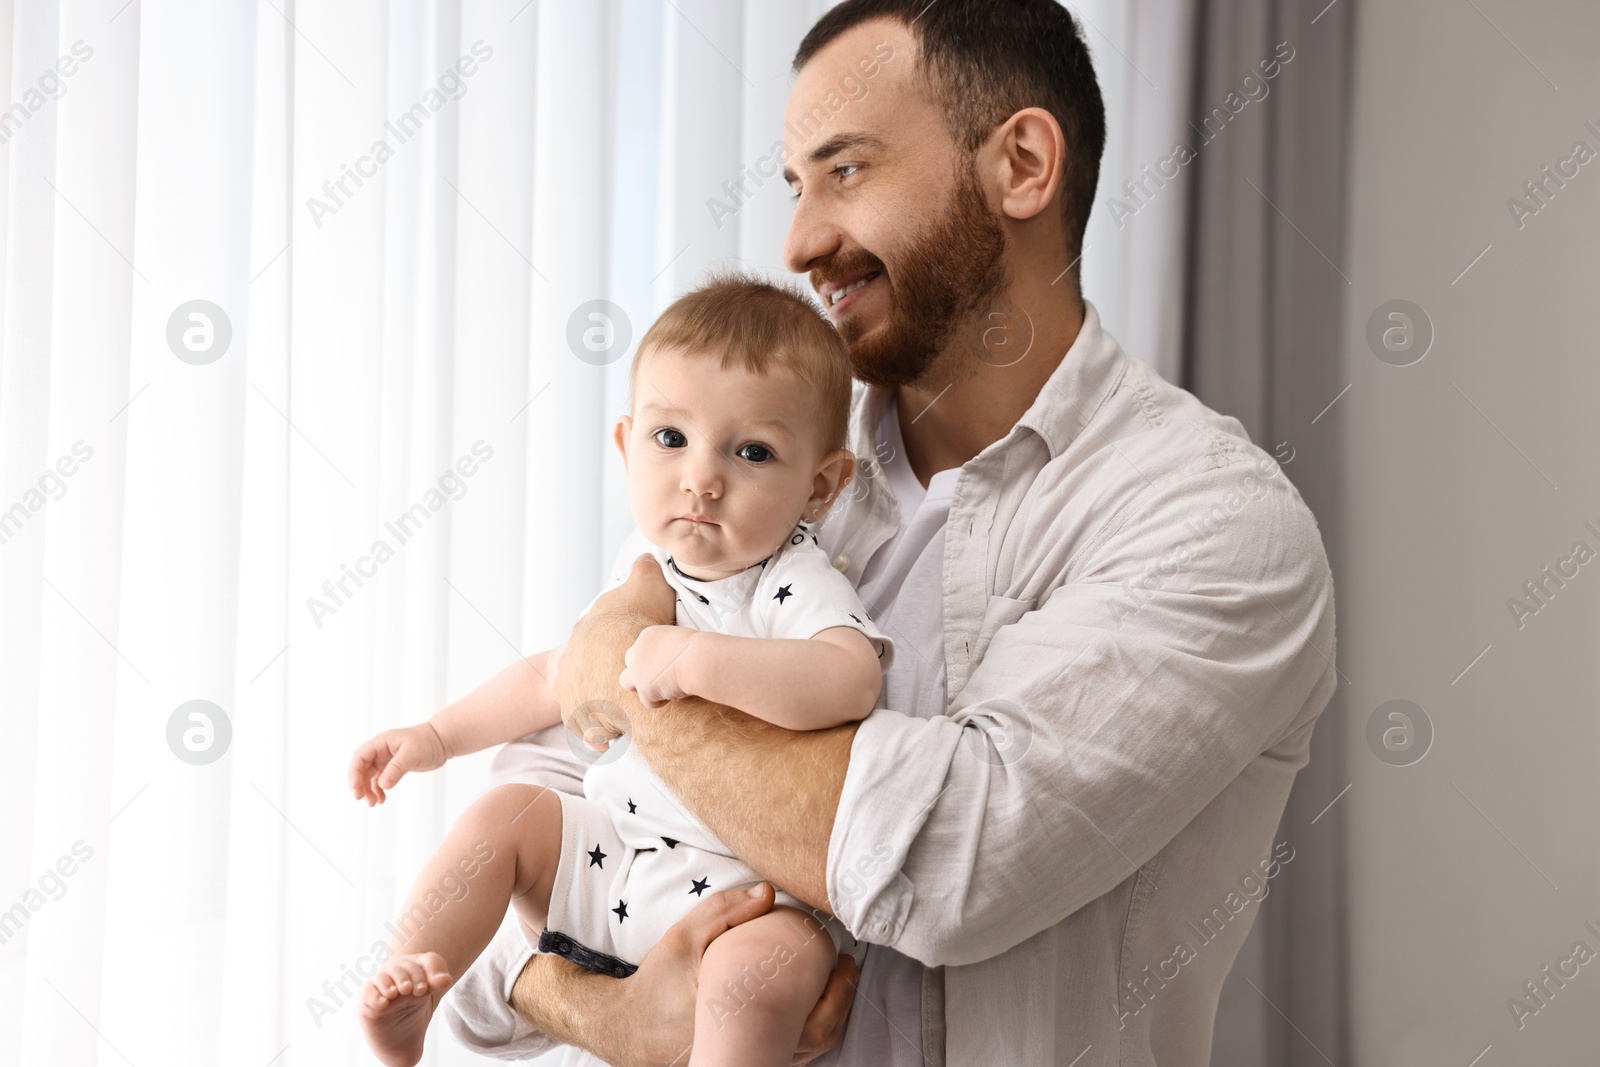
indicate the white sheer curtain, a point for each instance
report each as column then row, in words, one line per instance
column 399, row 321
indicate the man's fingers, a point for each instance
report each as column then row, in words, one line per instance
column 651, row 593
column 826, row 1021
column 597, row 717
column 724, row 910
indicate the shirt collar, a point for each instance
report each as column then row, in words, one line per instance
column 1086, row 376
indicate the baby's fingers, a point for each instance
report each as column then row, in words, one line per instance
column 360, row 773
column 392, row 774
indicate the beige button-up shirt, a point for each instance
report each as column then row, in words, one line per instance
column 1138, row 620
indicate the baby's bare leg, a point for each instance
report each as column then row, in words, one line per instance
column 504, row 848
column 758, row 982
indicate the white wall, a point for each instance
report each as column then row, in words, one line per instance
column 1464, row 475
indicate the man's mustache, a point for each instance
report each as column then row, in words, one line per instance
column 845, row 268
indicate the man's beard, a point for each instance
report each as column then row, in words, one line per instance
column 948, row 274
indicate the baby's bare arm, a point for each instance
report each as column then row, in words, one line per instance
column 514, row 703
column 823, row 681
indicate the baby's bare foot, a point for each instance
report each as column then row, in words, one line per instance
column 398, row 1001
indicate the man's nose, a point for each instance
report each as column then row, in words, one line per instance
column 812, row 236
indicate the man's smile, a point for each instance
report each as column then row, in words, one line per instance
column 840, row 296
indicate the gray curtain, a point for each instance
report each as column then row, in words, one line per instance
column 1262, row 318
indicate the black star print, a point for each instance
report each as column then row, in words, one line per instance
column 621, row 910
column 699, row 885
column 596, row 857
column 782, row 592
column 631, row 807
column 672, row 842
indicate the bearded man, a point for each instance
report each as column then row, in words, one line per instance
column 1116, row 612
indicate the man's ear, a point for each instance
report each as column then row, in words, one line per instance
column 1031, row 152
column 833, row 474
column 619, row 434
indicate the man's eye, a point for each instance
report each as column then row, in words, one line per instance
column 670, row 438
column 839, row 170
column 755, row 453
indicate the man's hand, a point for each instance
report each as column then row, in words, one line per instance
column 645, row 593
column 655, row 662
column 658, row 1001
column 586, row 683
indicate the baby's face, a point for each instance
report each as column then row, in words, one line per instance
column 721, row 463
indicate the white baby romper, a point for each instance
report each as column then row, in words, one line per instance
column 634, row 860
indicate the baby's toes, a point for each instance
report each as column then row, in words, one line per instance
column 379, row 990
column 410, row 977
column 435, row 971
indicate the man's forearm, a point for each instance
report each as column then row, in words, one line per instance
column 769, row 793
column 571, row 1005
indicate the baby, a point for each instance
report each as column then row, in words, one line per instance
column 735, row 443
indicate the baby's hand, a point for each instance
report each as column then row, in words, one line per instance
column 654, row 663
column 381, row 762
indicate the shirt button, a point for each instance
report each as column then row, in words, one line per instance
column 841, row 562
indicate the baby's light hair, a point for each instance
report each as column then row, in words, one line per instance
column 759, row 324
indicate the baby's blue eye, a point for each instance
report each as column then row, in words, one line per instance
column 756, row 453
column 670, row 438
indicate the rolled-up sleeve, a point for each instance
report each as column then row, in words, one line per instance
column 1189, row 635
column 477, row 1009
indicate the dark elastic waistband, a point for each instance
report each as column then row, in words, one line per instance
column 557, row 944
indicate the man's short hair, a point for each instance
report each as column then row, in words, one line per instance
column 985, row 60
column 758, row 325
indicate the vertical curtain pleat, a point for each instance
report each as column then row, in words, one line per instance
column 339, row 270
column 1265, row 299
column 180, row 546
column 89, row 187
column 31, row 206
column 567, row 440
column 253, row 989
column 702, row 89
column 1152, row 240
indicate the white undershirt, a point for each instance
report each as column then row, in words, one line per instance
column 902, row 588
